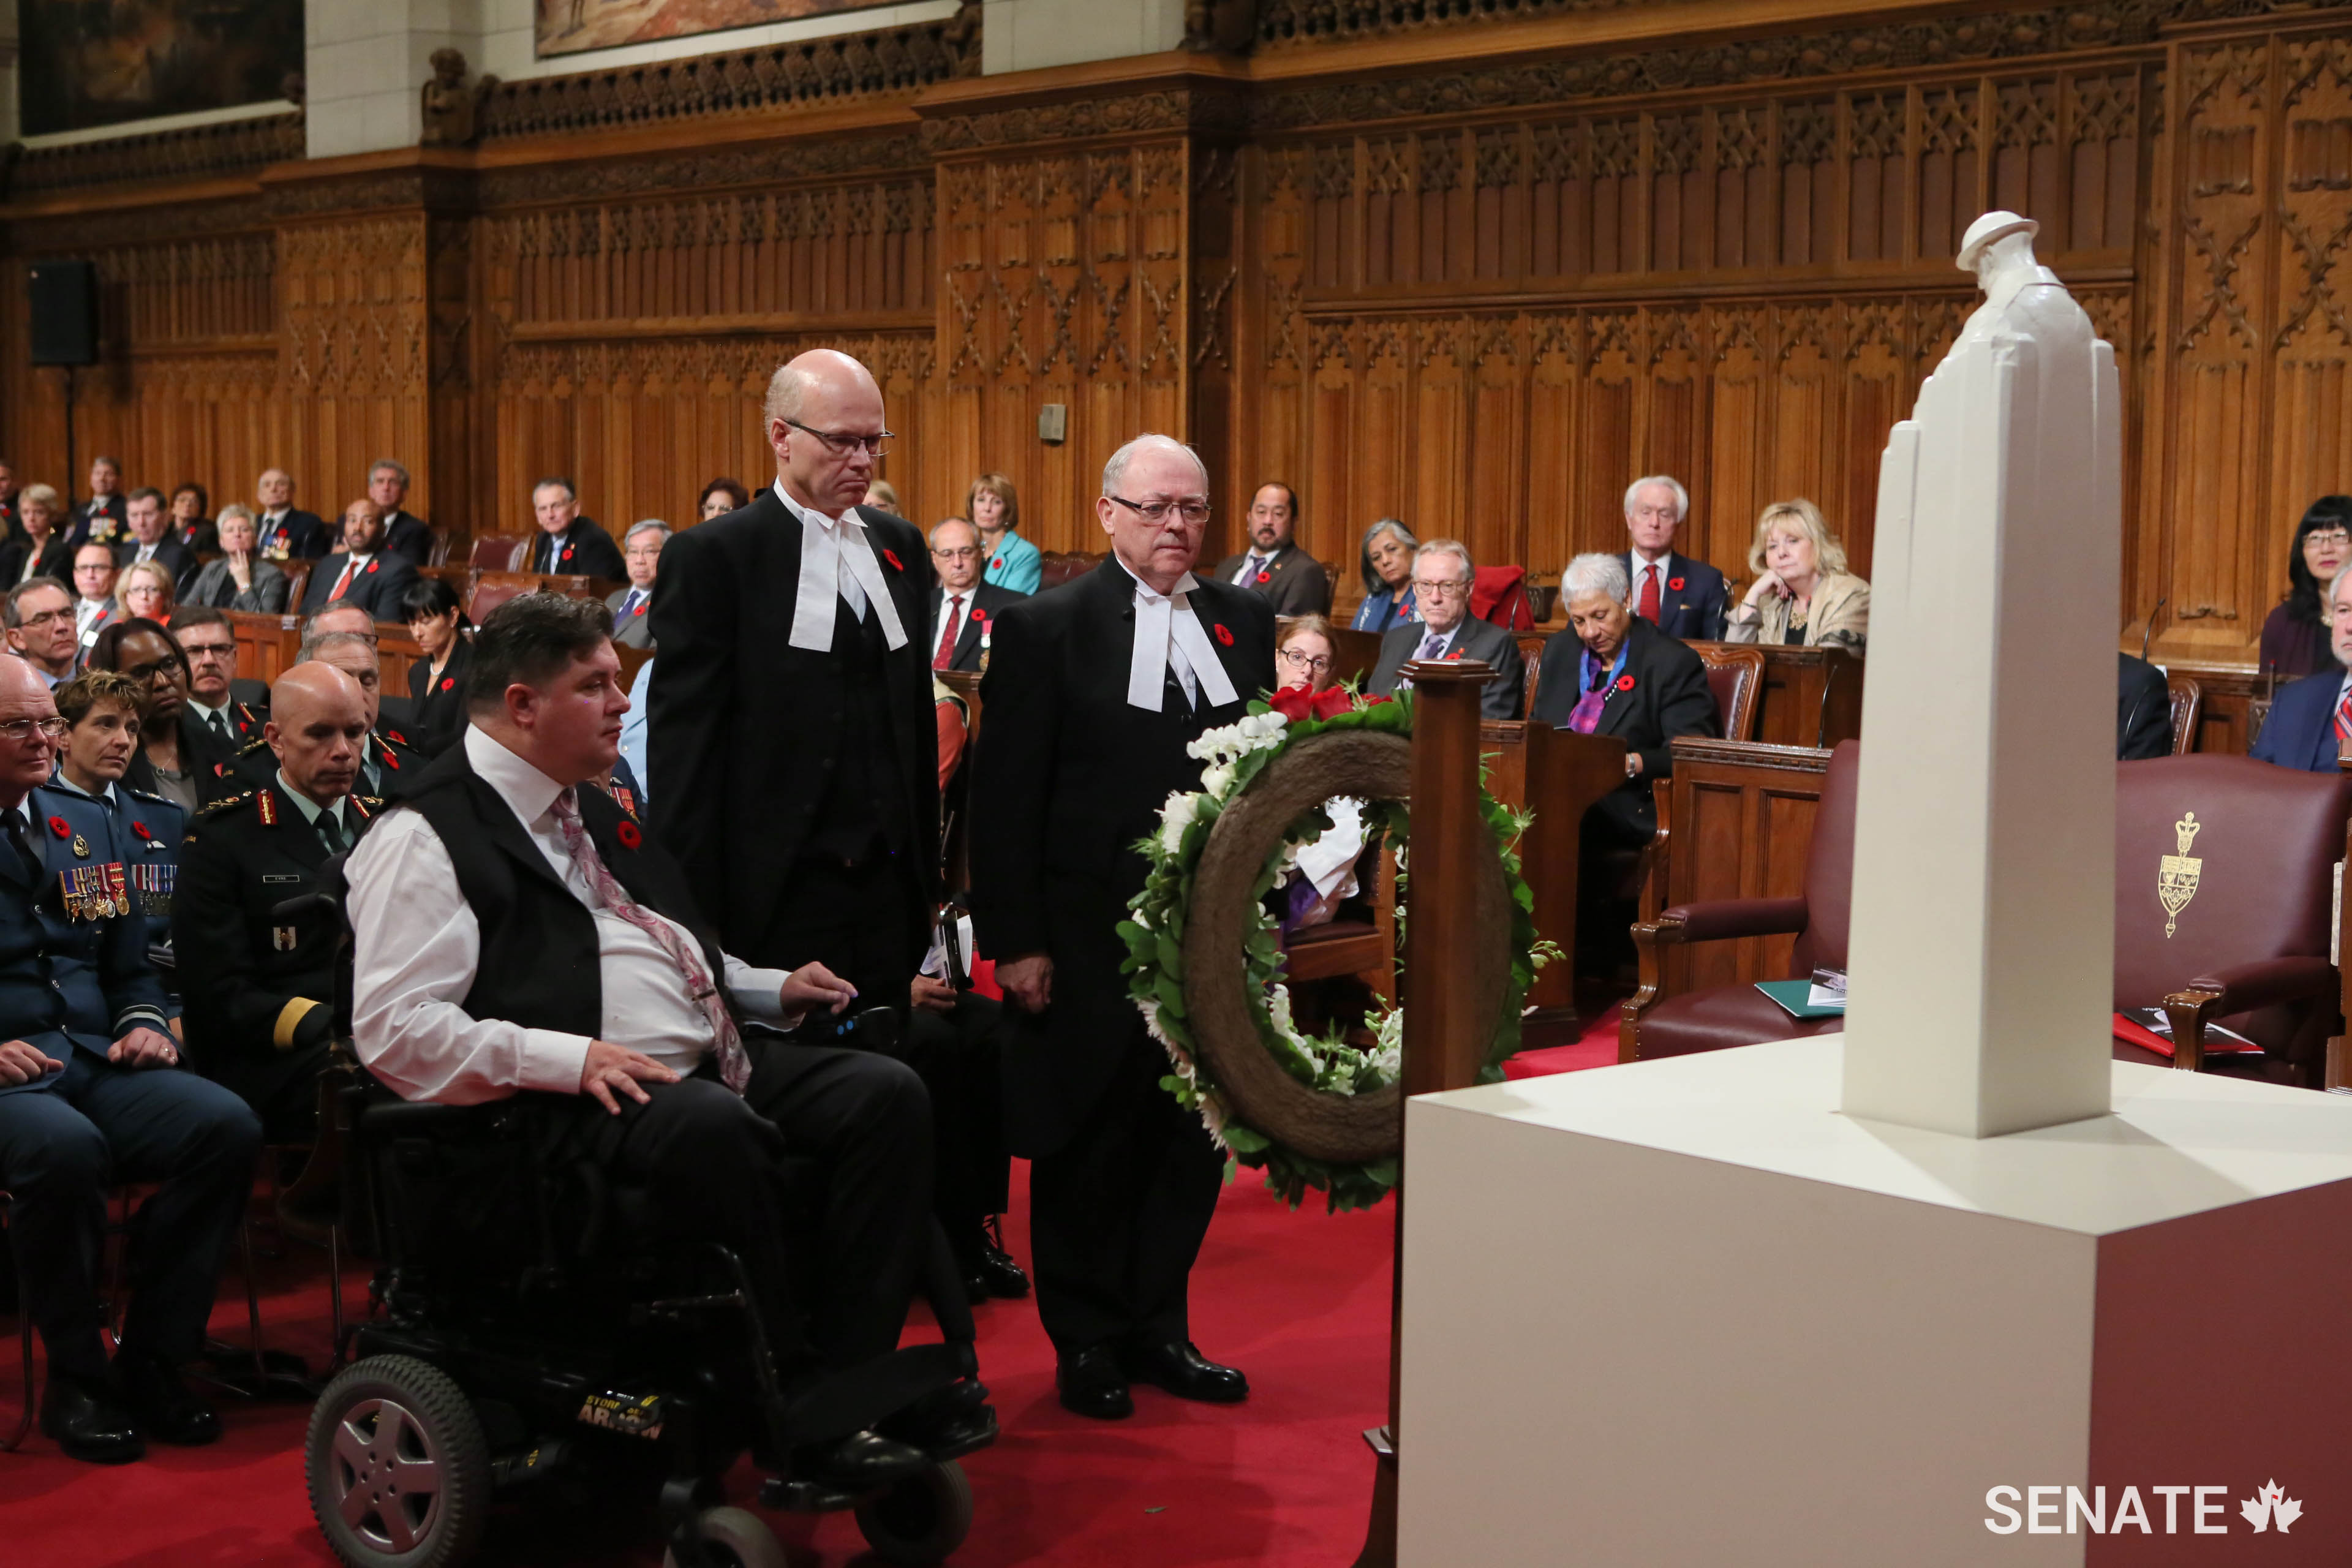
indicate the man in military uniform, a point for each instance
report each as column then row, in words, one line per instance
column 388, row 764
column 259, row 988
column 91, row 1094
column 102, row 706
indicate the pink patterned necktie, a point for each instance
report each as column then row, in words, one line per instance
column 734, row 1065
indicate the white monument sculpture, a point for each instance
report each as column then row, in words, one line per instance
column 1983, row 927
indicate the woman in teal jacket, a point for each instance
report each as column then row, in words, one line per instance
column 1013, row 561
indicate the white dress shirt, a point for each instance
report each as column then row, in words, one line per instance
column 419, row 947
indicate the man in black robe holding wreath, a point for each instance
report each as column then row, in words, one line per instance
column 1093, row 691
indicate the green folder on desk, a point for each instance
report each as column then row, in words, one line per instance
column 1790, row 995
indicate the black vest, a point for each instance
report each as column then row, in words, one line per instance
column 539, row 951
column 855, row 813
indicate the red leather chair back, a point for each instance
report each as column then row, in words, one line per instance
column 2266, row 842
column 493, row 590
column 1828, row 868
column 1055, row 567
column 1498, row 593
column 1736, row 676
column 497, row 552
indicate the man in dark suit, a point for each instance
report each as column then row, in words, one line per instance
column 1613, row 673
column 793, row 746
column 641, row 549
column 1441, row 572
column 365, row 573
column 405, row 534
column 286, row 531
column 91, row 1094
column 2143, row 711
column 260, row 1003
column 962, row 605
column 1682, row 597
column 569, row 544
column 150, row 538
column 1275, row 565
column 2311, row 719
column 105, row 516
column 1093, row 691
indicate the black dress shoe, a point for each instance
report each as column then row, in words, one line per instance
column 861, row 1462
column 947, row 1423
column 1092, row 1384
column 1000, row 1275
column 85, row 1421
column 166, row 1409
column 1182, row 1371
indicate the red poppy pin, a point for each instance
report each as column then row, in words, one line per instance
column 979, row 614
column 140, row 830
column 396, row 737
column 1266, row 576
column 892, row 557
column 371, row 567
column 639, row 611
column 448, row 683
column 626, row 832
column 1223, row 636
column 62, row 827
column 1676, row 583
column 392, row 762
column 997, row 564
column 566, row 555
column 1625, row 683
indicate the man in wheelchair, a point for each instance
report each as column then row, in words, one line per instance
column 520, row 938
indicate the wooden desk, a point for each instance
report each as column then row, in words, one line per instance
column 1737, row 819
column 1811, row 696
column 267, row 647
column 1565, row 774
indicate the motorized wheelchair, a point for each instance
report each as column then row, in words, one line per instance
column 540, row 1334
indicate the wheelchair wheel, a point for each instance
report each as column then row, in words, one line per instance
column 922, row 1519
column 736, row 1538
column 399, row 1472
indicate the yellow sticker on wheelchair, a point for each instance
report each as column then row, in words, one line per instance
column 631, row 1415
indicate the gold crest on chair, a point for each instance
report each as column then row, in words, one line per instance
column 2177, row 875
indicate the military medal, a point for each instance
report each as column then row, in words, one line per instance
column 114, row 892
column 80, row 847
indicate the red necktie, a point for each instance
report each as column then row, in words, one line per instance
column 1649, row 610
column 2344, row 719
column 949, row 627
column 342, row 582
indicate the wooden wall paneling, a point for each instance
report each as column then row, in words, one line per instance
column 1557, row 529
column 1214, row 242
column 2313, row 341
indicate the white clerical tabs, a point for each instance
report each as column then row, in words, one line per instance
column 1983, row 933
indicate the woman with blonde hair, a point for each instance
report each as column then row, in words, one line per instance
column 992, row 508
column 146, row 588
column 1802, row 595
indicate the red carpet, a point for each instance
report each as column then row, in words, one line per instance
column 1300, row 1301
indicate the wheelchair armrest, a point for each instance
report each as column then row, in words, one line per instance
column 388, row 1119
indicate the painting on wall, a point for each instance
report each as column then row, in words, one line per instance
column 86, row 63
column 568, row 26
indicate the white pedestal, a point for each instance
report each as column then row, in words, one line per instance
column 1685, row 1312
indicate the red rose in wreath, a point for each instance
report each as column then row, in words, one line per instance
column 1676, row 583
column 1223, row 636
column 1625, row 683
column 62, row 827
column 892, row 557
column 1298, row 704
column 626, row 832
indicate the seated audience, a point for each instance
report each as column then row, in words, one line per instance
column 436, row 682
column 144, row 589
column 2295, row 634
column 1441, row 572
column 44, row 552
column 2143, row 711
column 91, row 1094
column 1680, row 597
column 151, row 536
column 719, row 498
column 1802, row 595
column 94, row 606
column 286, row 531
column 2311, row 720
column 228, row 711
column 241, row 579
column 1614, row 673
column 175, row 759
column 365, row 573
column 883, row 495
column 103, row 517
column 260, row 990
column 405, row 534
column 39, row 617
column 388, row 764
column 190, row 519
column 643, row 1068
column 569, row 544
column 641, row 549
column 103, row 707
column 962, row 607
column 1385, row 562
column 1276, row 564
column 992, row 507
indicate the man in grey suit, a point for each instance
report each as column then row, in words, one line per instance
column 1275, row 566
column 1442, row 571
column 641, row 549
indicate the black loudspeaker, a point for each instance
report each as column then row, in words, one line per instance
column 64, row 296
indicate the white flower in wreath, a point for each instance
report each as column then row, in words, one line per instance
column 1217, row 781
column 1262, row 727
column 1174, row 817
